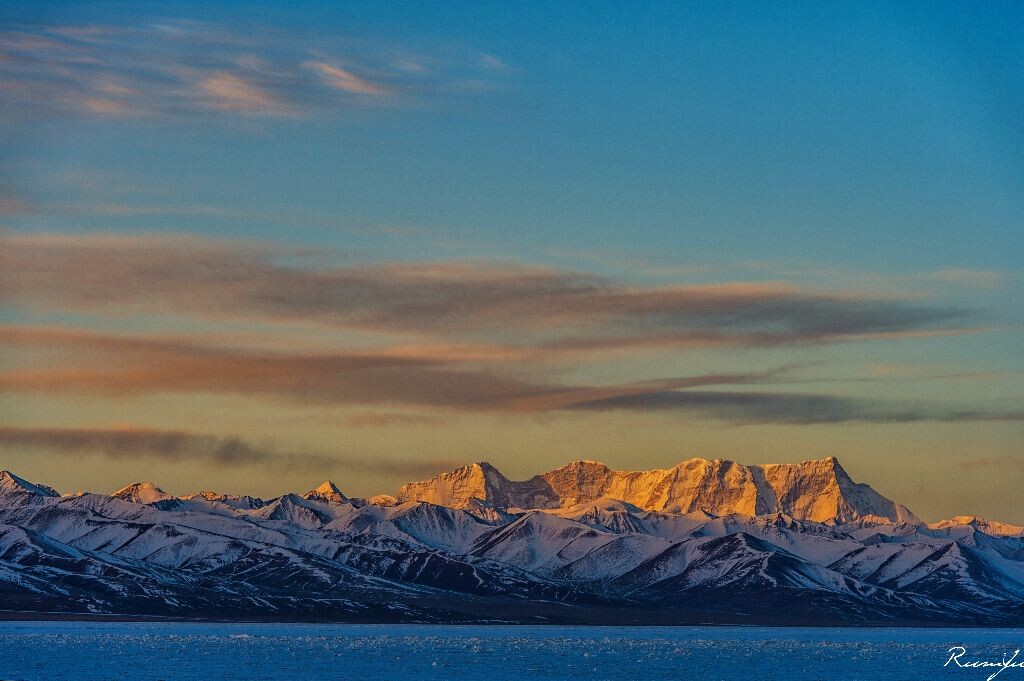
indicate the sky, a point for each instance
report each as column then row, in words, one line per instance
column 250, row 247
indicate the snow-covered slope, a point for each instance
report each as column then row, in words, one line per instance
column 13, row 488
column 210, row 499
column 704, row 539
column 987, row 526
column 142, row 493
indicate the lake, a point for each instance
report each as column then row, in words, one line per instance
column 190, row 651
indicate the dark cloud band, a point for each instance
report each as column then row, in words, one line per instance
column 550, row 311
column 181, row 446
column 792, row 409
column 432, row 379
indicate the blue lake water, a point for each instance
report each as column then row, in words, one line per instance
column 31, row 651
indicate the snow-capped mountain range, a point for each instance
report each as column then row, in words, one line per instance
column 702, row 541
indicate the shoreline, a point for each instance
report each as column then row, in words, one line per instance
column 119, row 618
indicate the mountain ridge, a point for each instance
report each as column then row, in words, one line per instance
column 479, row 483
column 326, row 557
column 816, row 489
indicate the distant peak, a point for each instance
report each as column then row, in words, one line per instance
column 700, row 461
column 991, row 527
column 585, row 463
column 833, row 463
column 581, row 467
column 829, row 465
column 137, row 486
column 825, row 461
column 141, row 493
column 328, row 492
column 328, row 487
column 9, row 482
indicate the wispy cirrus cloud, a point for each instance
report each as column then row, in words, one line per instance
column 584, row 397
column 342, row 79
column 989, row 463
column 125, row 442
column 383, row 419
column 912, row 372
column 176, row 446
column 547, row 310
column 747, row 408
column 184, row 68
column 229, row 92
column 124, row 366
column 462, row 336
column 981, row 279
column 434, row 379
column 493, row 63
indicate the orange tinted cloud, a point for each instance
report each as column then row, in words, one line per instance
column 112, row 365
column 553, row 310
column 119, row 366
column 387, row 419
column 227, row 91
column 173, row 68
column 342, row 79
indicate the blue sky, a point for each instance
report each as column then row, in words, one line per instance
column 886, row 137
column 865, row 159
